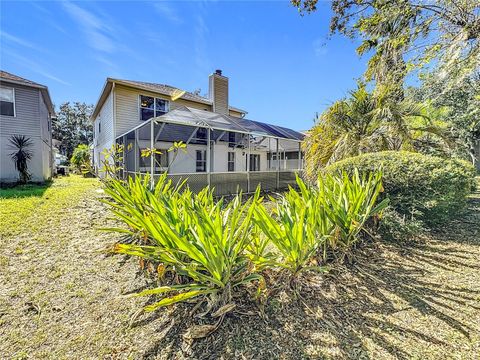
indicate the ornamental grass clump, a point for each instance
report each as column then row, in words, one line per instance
column 202, row 241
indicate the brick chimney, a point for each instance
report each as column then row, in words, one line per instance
column 218, row 92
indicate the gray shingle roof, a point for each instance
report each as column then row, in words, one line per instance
column 4, row 75
column 170, row 91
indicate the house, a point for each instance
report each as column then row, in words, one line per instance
column 224, row 148
column 25, row 109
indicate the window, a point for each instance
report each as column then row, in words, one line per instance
column 254, row 162
column 152, row 107
column 7, row 101
column 231, row 139
column 231, row 161
column 201, row 133
column 99, row 127
column 201, row 164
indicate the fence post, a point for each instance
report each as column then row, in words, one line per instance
column 208, row 156
column 248, row 164
column 278, row 165
column 299, row 157
column 136, row 149
column 152, row 154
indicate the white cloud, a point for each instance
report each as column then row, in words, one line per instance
column 33, row 66
column 98, row 31
column 14, row 39
column 167, row 11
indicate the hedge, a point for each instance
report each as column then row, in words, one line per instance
column 423, row 187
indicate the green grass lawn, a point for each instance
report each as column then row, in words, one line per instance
column 62, row 295
column 33, row 207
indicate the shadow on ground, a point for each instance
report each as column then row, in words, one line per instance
column 400, row 301
column 22, row 191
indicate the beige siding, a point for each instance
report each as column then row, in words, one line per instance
column 235, row 113
column 219, row 93
column 103, row 139
column 127, row 107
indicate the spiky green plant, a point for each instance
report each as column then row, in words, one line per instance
column 199, row 239
column 292, row 227
column 21, row 155
column 348, row 203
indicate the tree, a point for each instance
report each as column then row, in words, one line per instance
column 409, row 34
column 21, row 155
column 73, row 126
column 459, row 108
column 81, row 158
column 368, row 122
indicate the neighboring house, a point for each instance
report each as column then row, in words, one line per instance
column 146, row 115
column 25, row 109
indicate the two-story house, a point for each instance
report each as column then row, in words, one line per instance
column 219, row 139
column 25, row 109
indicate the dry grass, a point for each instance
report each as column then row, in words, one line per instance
column 61, row 295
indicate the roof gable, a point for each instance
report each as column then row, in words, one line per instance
column 15, row 79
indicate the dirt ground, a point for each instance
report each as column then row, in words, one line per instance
column 63, row 297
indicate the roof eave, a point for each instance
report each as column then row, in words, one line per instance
column 43, row 89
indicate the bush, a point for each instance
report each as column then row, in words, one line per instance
column 81, row 159
column 420, row 187
column 202, row 241
column 326, row 217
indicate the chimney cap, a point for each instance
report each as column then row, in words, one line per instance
column 218, row 72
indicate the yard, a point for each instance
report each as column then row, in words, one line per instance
column 62, row 294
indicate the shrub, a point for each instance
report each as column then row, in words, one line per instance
column 21, row 155
column 81, row 159
column 420, row 187
column 201, row 240
column 328, row 216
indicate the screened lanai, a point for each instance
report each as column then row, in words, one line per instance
column 227, row 153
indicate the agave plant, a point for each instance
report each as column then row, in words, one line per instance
column 201, row 240
column 21, row 155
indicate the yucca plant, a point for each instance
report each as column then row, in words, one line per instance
column 348, row 202
column 21, row 155
column 201, row 240
column 292, row 227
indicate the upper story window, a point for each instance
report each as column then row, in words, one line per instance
column 152, row 107
column 231, row 139
column 7, row 101
column 99, row 127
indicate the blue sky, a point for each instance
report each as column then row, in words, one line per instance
column 282, row 67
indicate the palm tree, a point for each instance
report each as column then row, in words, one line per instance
column 22, row 155
column 364, row 122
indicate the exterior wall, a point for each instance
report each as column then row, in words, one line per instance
column 235, row 113
column 127, row 107
column 185, row 162
column 32, row 120
column 104, row 138
column 36, row 167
